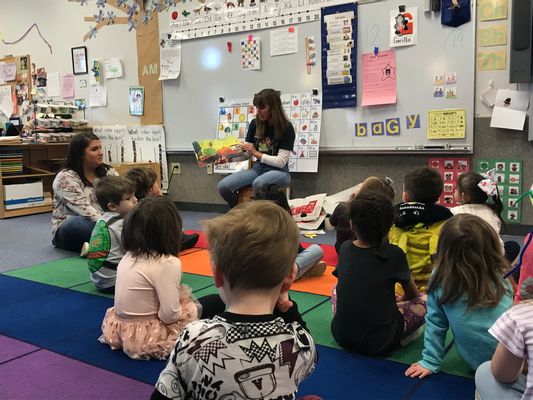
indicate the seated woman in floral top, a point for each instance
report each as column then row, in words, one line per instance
column 75, row 207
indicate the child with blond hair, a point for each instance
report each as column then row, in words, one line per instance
column 264, row 357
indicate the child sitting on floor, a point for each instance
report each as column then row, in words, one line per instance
column 151, row 307
column 367, row 318
column 466, row 294
column 418, row 220
column 473, row 191
column 340, row 218
column 505, row 376
column 146, row 183
column 308, row 259
column 115, row 195
column 253, row 248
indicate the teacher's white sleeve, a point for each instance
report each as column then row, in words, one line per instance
column 278, row 161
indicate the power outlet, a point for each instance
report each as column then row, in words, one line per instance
column 210, row 169
column 175, row 168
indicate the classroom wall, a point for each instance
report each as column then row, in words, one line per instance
column 61, row 23
column 339, row 172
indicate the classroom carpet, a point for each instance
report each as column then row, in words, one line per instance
column 51, row 316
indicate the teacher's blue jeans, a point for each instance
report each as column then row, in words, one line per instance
column 259, row 176
column 73, row 233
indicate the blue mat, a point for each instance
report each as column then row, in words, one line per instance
column 69, row 324
column 343, row 375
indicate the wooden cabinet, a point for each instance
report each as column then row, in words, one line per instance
column 40, row 162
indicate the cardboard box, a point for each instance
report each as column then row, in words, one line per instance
column 21, row 195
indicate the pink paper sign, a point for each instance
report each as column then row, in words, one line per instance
column 379, row 78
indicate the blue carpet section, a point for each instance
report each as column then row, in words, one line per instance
column 343, row 375
column 69, row 324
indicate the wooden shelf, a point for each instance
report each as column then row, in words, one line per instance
column 27, row 211
column 36, row 159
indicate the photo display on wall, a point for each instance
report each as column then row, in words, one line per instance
column 449, row 168
column 304, row 111
column 508, row 178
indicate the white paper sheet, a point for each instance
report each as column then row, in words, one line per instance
column 510, row 109
column 332, row 201
column 169, row 58
column 97, row 96
column 52, row 84
column 112, row 68
column 6, row 102
column 283, row 41
column 8, row 71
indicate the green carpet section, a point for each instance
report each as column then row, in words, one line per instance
column 196, row 282
column 89, row 288
column 72, row 273
column 64, row 273
column 319, row 322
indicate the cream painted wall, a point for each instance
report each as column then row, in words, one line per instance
column 62, row 25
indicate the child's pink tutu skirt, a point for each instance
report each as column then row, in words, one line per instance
column 147, row 337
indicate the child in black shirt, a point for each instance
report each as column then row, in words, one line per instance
column 368, row 320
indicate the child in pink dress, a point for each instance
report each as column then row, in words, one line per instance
column 151, row 306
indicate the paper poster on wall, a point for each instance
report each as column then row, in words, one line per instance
column 507, row 174
column 403, row 26
column 112, row 68
column 135, row 144
column 491, row 60
column 95, row 75
column 447, row 124
column 67, row 86
column 378, row 73
column 251, row 53
column 449, row 169
column 492, row 9
column 305, row 114
column 283, row 41
column 136, row 100
column 52, row 85
column 8, row 71
column 169, row 57
column 510, row 109
column 304, row 111
column 97, row 96
column 494, row 35
column 6, row 101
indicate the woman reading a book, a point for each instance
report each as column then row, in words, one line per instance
column 75, row 207
column 270, row 140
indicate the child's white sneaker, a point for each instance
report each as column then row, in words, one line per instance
column 84, row 249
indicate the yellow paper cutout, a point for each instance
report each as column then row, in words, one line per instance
column 447, row 124
column 491, row 60
column 492, row 35
column 492, row 9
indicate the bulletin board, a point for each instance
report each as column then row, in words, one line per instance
column 210, row 71
column 21, row 85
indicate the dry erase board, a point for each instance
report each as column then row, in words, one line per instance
column 210, row 71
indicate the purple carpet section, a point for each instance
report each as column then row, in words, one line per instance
column 11, row 348
column 46, row 375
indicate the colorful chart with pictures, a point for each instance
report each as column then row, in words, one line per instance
column 304, row 110
column 233, row 120
column 250, row 53
column 449, row 168
column 508, row 176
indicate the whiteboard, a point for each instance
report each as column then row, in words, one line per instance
column 209, row 71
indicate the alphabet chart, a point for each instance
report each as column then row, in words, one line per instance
column 304, row 111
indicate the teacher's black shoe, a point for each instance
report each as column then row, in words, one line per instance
column 188, row 240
